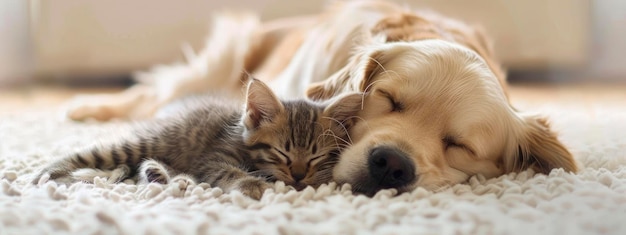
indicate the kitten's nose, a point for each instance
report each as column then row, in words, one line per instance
column 297, row 176
column 390, row 167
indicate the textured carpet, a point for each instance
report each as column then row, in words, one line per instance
column 590, row 202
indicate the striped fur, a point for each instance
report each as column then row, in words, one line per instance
column 207, row 139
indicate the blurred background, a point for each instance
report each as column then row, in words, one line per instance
column 101, row 42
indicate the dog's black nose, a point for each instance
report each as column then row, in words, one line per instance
column 390, row 167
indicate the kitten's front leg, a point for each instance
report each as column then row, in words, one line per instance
column 152, row 171
column 232, row 178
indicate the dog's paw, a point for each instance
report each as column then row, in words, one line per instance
column 99, row 107
column 137, row 102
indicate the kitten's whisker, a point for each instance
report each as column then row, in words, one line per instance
column 363, row 121
column 332, row 134
column 343, row 127
column 336, row 139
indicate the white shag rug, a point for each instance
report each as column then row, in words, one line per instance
column 590, row 202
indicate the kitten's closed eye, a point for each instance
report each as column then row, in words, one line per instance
column 313, row 161
column 286, row 158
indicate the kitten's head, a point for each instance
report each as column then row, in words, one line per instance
column 297, row 142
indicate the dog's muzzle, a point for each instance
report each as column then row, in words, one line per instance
column 389, row 167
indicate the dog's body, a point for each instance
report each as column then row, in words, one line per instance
column 436, row 110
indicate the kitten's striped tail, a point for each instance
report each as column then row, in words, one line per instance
column 126, row 154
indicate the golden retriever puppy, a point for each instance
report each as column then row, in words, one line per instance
column 434, row 115
column 435, row 110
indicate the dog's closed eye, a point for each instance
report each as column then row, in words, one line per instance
column 451, row 142
column 396, row 106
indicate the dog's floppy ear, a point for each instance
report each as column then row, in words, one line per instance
column 327, row 89
column 344, row 108
column 356, row 76
column 538, row 148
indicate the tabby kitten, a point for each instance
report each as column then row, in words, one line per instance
column 210, row 140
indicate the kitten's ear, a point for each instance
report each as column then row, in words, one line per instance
column 345, row 107
column 538, row 148
column 261, row 104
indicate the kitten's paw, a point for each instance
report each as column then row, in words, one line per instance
column 183, row 182
column 253, row 188
column 152, row 171
column 40, row 178
column 113, row 176
column 54, row 175
column 120, row 173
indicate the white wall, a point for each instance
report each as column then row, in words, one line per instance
column 82, row 38
column 608, row 51
column 15, row 47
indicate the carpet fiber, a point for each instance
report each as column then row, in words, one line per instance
column 592, row 201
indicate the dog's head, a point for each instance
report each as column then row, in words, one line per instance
column 434, row 114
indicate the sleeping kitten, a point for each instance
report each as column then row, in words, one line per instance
column 210, row 140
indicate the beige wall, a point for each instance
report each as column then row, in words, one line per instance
column 528, row 34
column 83, row 38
